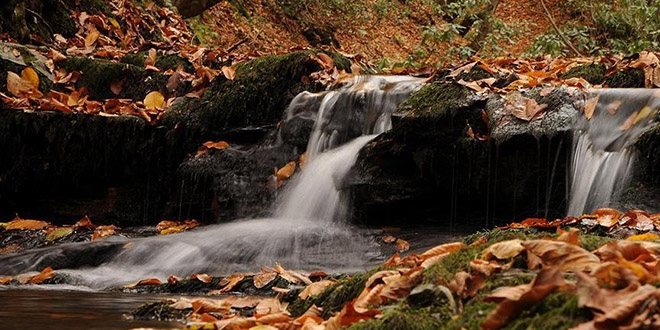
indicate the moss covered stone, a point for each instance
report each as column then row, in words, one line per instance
column 334, row 298
column 405, row 318
column 632, row 78
column 593, row 73
column 98, row 75
column 257, row 96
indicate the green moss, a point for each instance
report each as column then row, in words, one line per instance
column 474, row 314
column 98, row 75
column 633, row 78
column 435, row 100
column 332, row 299
column 405, row 318
column 443, row 271
column 257, row 96
column 168, row 62
column 556, row 311
column 593, row 73
column 592, row 242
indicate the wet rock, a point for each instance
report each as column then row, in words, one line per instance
column 423, row 295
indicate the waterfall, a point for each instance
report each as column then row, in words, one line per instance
column 603, row 155
column 308, row 231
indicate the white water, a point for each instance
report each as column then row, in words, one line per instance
column 603, row 156
column 308, row 230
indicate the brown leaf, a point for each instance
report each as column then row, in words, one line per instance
column 201, row 306
column 571, row 236
column 613, row 107
column 204, row 278
column 228, row 283
column 561, row 255
column 91, row 38
column 85, row 222
column 216, row 145
column 466, row 285
column 607, row 217
column 402, row 245
column 116, row 86
column 400, row 286
column 104, row 231
column 590, row 107
column 263, row 279
column 388, row 239
column 315, row 289
column 171, row 280
column 515, row 300
column 59, row 233
column 55, row 55
column 503, row 250
column 326, row 61
column 229, row 72
column 144, row 282
column 150, row 60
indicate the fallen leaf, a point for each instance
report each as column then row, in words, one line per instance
column 315, row 289
column 104, row 231
column 26, row 224
column 402, row 245
column 564, row 256
column 228, row 283
column 514, row 300
column 263, row 279
column 154, row 100
column 503, row 250
column 466, row 285
column 59, row 233
column 286, row 171
column 46, row 274
column 229, row 72
column 216, row 145
column 144, row 282
column 613, row 107
column 204, row 278
column 388, row 239
column 444, row 248
column 590, row 107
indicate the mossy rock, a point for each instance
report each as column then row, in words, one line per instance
column 631, row 78
column 333, row 298
column 167, row 62
column 98, row 75
column 593, row 73
column 405, row 318
column 259, row 94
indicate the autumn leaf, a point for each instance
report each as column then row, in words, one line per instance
column 59, row 233
column 562, row 255
column 503, row 250
column 229, row 72
column 286, row 171
column 388, row 239
column 607, row 217
column 216, row 145
column 104, row 231
column 315, row 288
column 204, row 278
column 25, row 85
column 144, row 282
column 444, row 248
column 402, row 245
column 514, row 300
column 228, row 283
column 46, row 274
column 263, row 279
column 19, row 223
column 154, row 100
column 590, row 106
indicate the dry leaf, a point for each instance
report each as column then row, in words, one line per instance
column 154, row 100
column 143, row 282
column 46, row 274
column 286, row 171
column 229, row 72
column 515, row 300
column 261, row 280
column 315, row 289
column 402, row 245
column 444, row 248
column 564, row 256
column 503, row 250
column 59, row 233
column 590, row 107
column 26, row 224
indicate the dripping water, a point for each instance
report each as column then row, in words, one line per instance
column 603, row 156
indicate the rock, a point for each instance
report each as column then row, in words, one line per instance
column 424, row 295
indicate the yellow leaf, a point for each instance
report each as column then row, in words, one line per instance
column 315, row 289
column 644, row 113
column 154, row 100
column 59, row 233
column 644, row 237
column 91, row 38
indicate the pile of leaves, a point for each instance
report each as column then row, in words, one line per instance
column 21, row 234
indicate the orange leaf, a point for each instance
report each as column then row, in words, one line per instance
column 26, row 224
column 261, row 280
column 216, row 145
column 286, row 171
column 444, row 248
column 103, row 231
column 402, row 245
column 92, row 37
column 230, row 282
column 503, row 250
column 143, row 282
column 84, row 222
column 46, row 274
column 28, row 74
column 564, row 256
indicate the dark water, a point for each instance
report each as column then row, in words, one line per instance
column 72, row 310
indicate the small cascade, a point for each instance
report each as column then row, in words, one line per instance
column 308, row 230
column 603, row 157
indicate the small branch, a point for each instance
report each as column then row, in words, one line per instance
column 35, row 14
column 236, row 45
column 561, row 35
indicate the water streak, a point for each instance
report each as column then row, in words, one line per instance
column 603, row 156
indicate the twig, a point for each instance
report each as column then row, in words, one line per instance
column 236, row 45
column 561, row 35
column 42, row 20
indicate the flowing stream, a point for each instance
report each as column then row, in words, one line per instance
column 603, row 157
column 308, row 230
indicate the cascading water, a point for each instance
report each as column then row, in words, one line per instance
column 306, row 232
column 603, row 158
